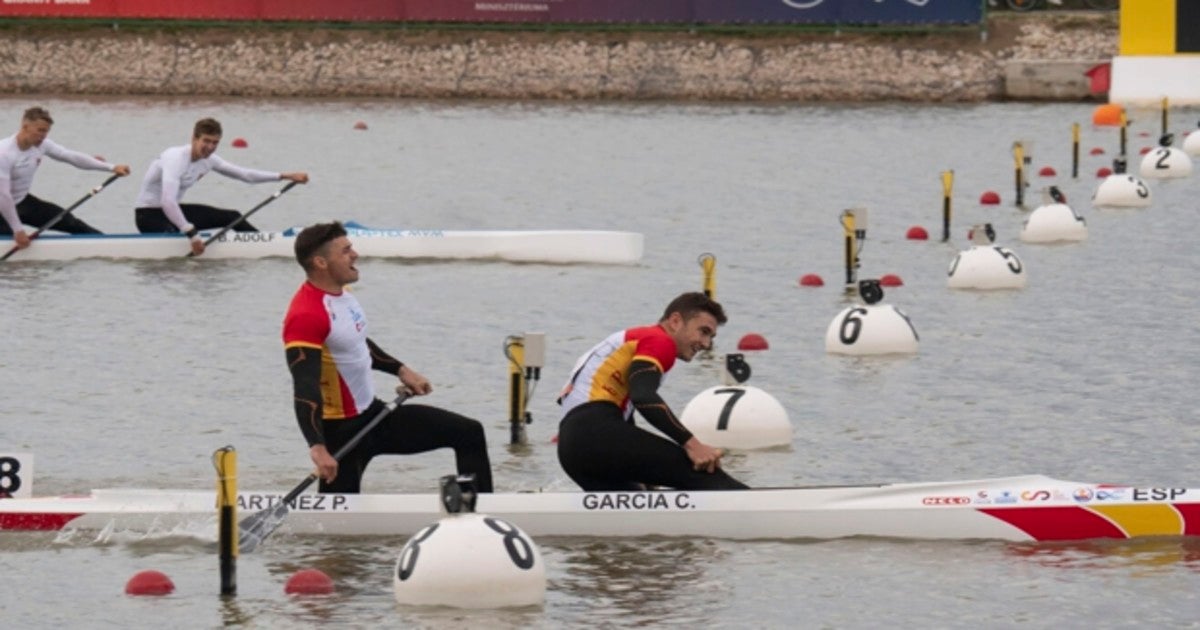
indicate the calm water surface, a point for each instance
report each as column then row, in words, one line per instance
column 133, row 373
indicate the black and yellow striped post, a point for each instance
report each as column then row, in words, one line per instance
column 1075, row 150
column 225, row 461
column 514, row 350
column 947, row 195
column 854, row 231
column 1124, row 133
column 1165, row 106
column 708, row 263
column 526, row 356
column 1020, row 159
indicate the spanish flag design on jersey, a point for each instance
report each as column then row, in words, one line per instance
column 603, row 373
column 336, row 325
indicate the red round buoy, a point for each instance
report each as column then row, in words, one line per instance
column 149, row 582
column 1097, row 151
column 891, row 280
column 1144, row 134
column 239, row 143
column 916, row 233
column 752, row 341
column 309, row 582
column 1047, row 171
column 360, row 125
column 811, row 280
column 1103, row 171
column 1144, row 151
column 989, row 198
column 554, row 440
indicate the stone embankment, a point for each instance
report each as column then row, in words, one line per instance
column 1008, row 60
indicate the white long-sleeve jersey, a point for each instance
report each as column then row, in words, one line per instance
column 17, row 168
column 174, row 171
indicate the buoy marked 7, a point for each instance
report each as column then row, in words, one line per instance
column 727, row 409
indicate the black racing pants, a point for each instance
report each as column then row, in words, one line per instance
column 37, row 212
column 154, row 220
column 602, row 452
column 408, row 429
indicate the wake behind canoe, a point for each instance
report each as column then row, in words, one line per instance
column 532, row 246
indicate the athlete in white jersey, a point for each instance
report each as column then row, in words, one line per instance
column 179, row 168
column 20, row 156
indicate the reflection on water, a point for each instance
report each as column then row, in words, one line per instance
column 1142, row 557
column 639, row 582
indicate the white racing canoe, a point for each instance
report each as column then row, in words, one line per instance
column 1029, row 508
column 533, row 246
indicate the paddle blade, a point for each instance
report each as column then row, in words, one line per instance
column 258, row 526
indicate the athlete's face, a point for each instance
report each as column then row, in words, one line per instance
column 33, row 132
column 691, row 335
column 338, row 261
column 204, row 145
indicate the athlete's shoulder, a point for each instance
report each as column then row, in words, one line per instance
column 306, row 321
column 654, row 344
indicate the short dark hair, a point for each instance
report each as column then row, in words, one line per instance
column 691, row 303
column 312, row 240
column 34, row 114
column 206, row 127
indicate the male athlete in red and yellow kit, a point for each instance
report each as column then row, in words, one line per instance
column 598, row 445
column 331, row 358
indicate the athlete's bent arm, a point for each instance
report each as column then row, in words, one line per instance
column 416, row 384
column 305, row 366
column 644, row 379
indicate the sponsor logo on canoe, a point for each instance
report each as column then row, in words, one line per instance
column 303, row 503
column 946, row 500
column 247, row 237
column 1005, row 496
column 982, row 497
column 1035, row 495
column 371, row 233
column 1110, row 494
column 1083, row 495
column 1158, row 494
column 637, row 501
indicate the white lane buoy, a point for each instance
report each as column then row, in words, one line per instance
column 1122, row 190
column 1053, row 222
column 986, row 265
column 468, row 560
column 871, row 328
column 737, row 416
column 1191, row 144
column 1166, row 162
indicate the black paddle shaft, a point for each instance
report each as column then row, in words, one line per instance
column 275, row 195
column 61, row 215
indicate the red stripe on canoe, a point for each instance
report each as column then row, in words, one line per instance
column 1057, row 523
column 35, row 522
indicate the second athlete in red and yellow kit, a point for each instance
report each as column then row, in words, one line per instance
column 598, row 445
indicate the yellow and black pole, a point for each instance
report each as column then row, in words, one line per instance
column 1124, row 126
column 854, row 229
column 947, row 194
column 526, row 355
column 1019, row 160
column 1075, row 150
column 1165, row 107
column 225, row 461
column 708, row 263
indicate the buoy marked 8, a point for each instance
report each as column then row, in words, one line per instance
column 523, row 558
column 10, row 481
column 412, row 549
